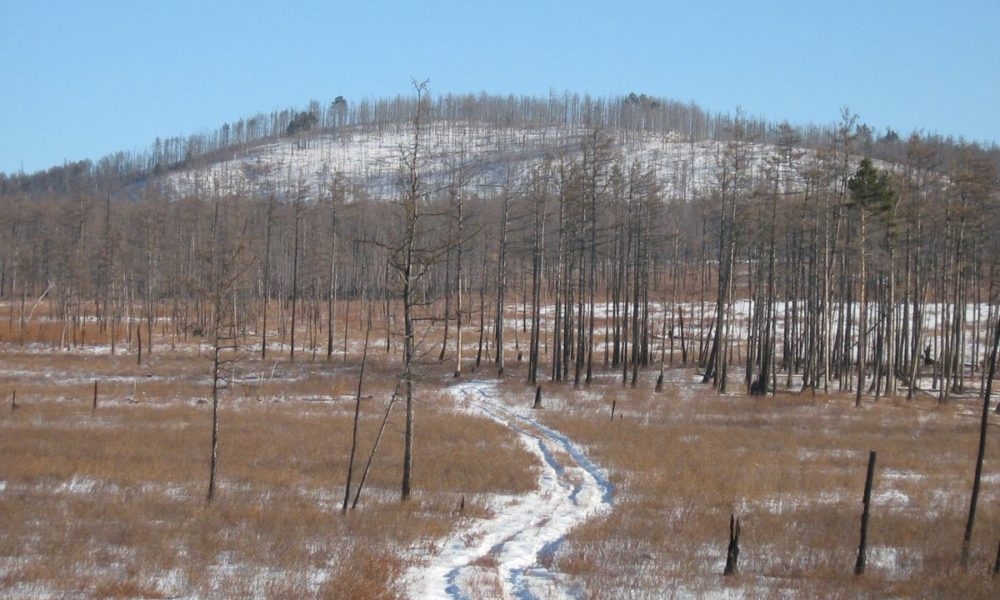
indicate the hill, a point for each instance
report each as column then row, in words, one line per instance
column 486, row 134
column 603, row 207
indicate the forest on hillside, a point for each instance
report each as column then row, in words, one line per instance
column 809, row 258
column 470, row 113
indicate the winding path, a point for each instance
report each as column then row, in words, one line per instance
column 507, row 550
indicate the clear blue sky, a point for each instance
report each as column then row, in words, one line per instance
column 84, row 79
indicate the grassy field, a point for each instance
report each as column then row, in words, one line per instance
column 111, row 502
column 792, row 468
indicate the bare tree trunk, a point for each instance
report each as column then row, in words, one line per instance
column 375, row 445
column 863, row 316
column 216, row 375
column 266, row 275
column 331, row 299
column 981, row 454
column 501, row 287
column 458, row 288
column 859, row 565
column 536, row 288
column 406, row 266
column 447, row 302
column 354, row 431
column 733, row 550
column 295, row 275
column 225, row 267
column 482, row 313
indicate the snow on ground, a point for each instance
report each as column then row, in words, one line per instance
column 524, row 530
column 372, row 160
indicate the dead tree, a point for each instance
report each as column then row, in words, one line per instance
column 266, row 274
column 980, row 455
column 538, row 204
column 411, row 257
column 336, row 199
column 859, row 565
column 457, row 201
column 297, row 204
column 501, row 286
column 378, row 440
column 354, row 431
column 226, row 263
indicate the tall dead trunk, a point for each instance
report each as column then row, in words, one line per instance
column 501, row 287
column 459, row 240
column 863, row 310
column 331, row 298
column 295, row 275
column 536, row 286
column 354, row 430
column 981, row 453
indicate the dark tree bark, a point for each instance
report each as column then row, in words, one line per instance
column 981, row 453
column 733, row 550
column 354, row 430
column 859, row 565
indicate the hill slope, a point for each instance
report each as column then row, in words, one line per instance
column 479, row 158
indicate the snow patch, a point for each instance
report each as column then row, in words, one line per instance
column 523, row 529
column 891, row 498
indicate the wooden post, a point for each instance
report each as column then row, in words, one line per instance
column 733, row 551
column 138, row 337
column 614, row 404
column 13, row 400
column 859, row 566
column 659, row 382
column 538, row 398
column 94, row 409
column 996, row 563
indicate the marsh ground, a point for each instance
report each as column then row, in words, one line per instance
column 111, row 502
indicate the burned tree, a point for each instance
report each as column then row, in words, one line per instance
column 225, row 261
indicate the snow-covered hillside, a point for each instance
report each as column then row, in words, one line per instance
column 483, row 158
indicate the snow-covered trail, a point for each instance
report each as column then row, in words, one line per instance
column 504, row 550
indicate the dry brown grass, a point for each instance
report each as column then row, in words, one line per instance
column 793, row 468
column 111, row 503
